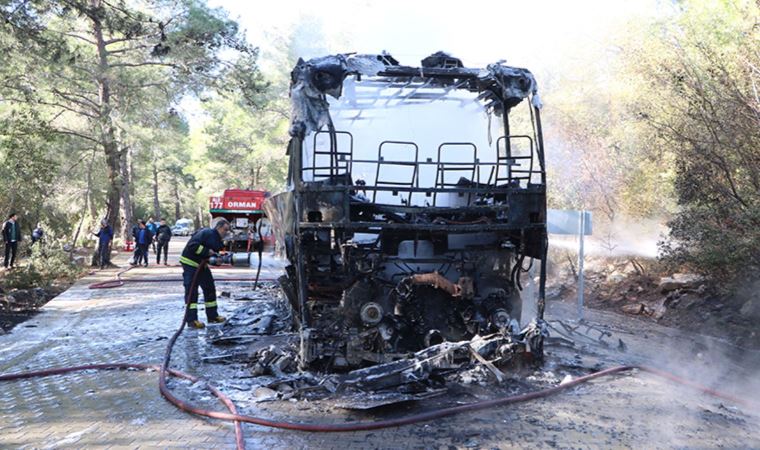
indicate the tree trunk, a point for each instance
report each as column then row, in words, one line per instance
column 126, row 197
column 90, row 200
column 256, row 177
column 105, row 122
column 87, row 201
column 156, row 205
column 199, row 219
column 131, row 162
column 177, row 200
column 114, row 184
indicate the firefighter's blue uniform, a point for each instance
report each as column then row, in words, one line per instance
column 196, row 250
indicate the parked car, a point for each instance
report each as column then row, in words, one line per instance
column 178, row 230
column 183, row 227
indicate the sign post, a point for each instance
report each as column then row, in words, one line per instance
column 567, row 222
column 581, row 228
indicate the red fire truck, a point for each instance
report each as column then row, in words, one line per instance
column 243, row 209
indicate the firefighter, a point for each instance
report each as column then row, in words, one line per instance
column 204, row 243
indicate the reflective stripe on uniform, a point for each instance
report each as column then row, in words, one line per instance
column 210, row 304
column 193, row 306
column 188, row 261
column 199, row 250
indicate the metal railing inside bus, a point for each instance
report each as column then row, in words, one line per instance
column 514, row 167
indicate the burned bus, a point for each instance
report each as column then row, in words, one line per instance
column 416, row 200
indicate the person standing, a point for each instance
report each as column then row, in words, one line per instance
column 163, row 236
column 153, row 228
column 204, row 243
column 143, row 238
column 105, row 236
column 11, row 237
column 136, row 255
column 37, row 233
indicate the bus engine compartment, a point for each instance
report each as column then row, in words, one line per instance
column 416, row 198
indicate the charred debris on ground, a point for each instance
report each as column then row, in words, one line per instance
column 260, row 339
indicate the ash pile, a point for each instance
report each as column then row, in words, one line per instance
column 260, row 336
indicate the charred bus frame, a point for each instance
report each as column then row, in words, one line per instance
column 363, row 302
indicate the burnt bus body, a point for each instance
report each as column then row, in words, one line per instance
column 411, row 208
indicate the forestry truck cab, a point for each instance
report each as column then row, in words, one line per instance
column 244, row 210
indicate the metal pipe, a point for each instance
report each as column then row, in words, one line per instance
column 437, row 281
column 542, row 279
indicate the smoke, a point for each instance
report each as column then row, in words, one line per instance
column 624, row 237
column 683, row 417
column 649, row 411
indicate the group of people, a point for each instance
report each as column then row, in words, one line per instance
column 149, row 235
column 205, row 243
column 145, row 234
column 12, row 237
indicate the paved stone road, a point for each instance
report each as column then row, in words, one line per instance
column 125, row 410
column 104, row 409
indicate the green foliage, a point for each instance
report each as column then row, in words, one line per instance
column 725, row 246
column 28, row 169
column 600, row 157
column 246, row 147
column 243, row 141
column 88, row 97
column 667, row 127
column 707, row 115
column 46, row 266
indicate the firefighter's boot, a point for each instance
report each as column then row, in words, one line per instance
column 196, row 324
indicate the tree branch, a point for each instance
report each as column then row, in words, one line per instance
column 125, row 50
column 127, row 39
column 75, row 133
column 146, row 63
column 46, row 103
column 74, row 35
column 68, row 108
column 70, row 96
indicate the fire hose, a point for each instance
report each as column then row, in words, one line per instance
column 237, row 419
column 118, row 281
column 355, row 426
